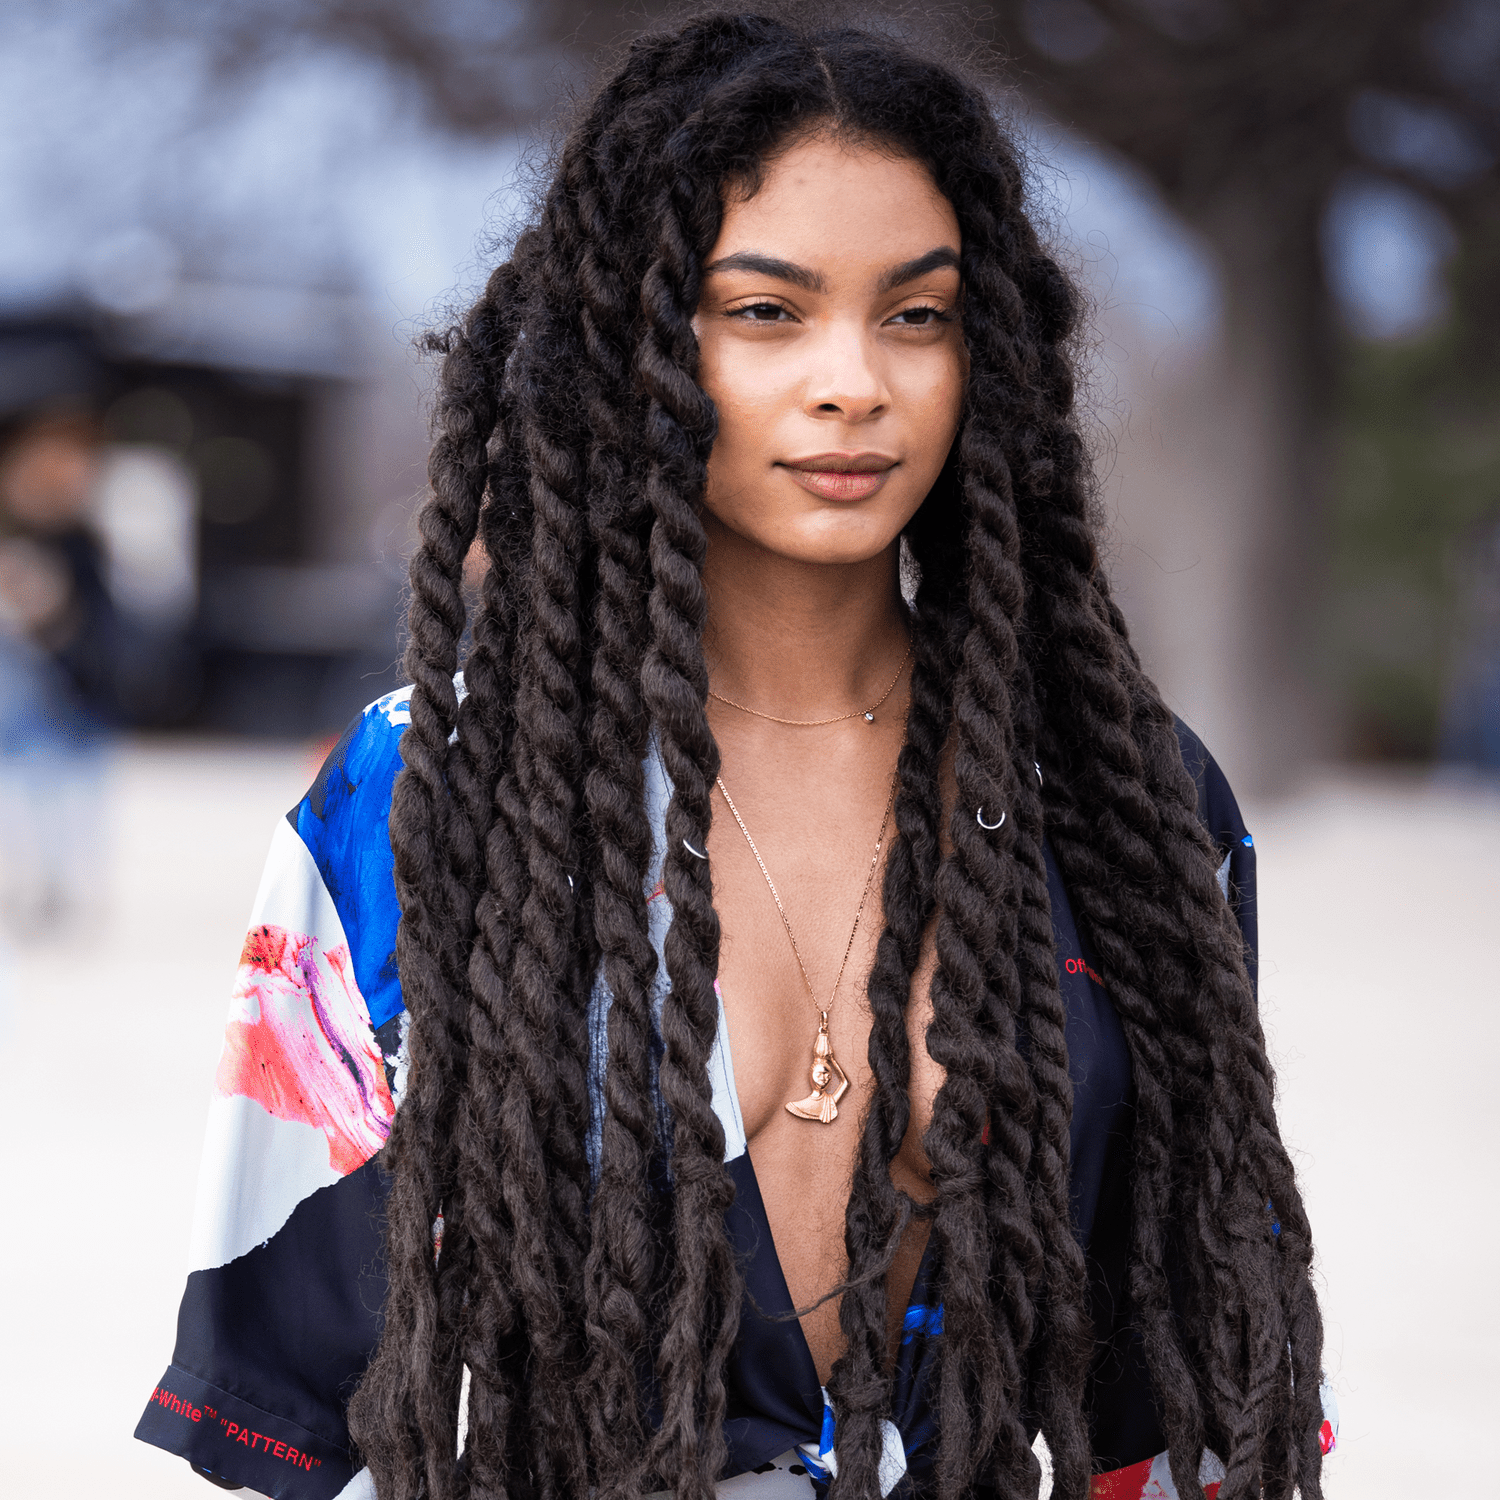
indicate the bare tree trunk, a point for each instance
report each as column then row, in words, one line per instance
column 1218, row 504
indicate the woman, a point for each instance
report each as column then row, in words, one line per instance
column 824, row 1049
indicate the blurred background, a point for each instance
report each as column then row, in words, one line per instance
column 223, row 225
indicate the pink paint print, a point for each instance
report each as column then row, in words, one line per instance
column 299, row 1044
column 1151, row 1479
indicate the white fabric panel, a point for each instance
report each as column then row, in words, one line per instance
column 726, row 1098
column 256, row 1168
column 726, row 1101
column 396, row 706
column 361, row 1487
column 892, row 1451
column 292, row 893
column 776, row 1483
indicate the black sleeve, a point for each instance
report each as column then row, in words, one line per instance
column 1220, row 815
column 271, row 1346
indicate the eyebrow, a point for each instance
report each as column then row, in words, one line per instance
column 811, row 281
column 769, row 265
column 934, row 260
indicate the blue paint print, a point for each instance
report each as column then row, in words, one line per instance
column 927, row 1321
column 344, row 821
column 825, row 1439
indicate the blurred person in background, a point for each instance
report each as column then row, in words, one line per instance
column 766, row 427
column 49, row 473
column 146, row 509
column 57, row 631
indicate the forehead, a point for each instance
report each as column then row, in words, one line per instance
column 844, row 208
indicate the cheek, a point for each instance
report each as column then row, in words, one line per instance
column 744, row 382
column 934, row 397
column 947, row 399
column 750, row 396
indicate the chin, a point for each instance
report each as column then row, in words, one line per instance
column 836, row 537
column 835, row 547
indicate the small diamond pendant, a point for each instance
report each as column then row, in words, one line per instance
column 870, row 716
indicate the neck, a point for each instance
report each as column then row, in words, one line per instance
column 801, row 640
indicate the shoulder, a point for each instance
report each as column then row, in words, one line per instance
column 359, row 772
column 1220, row 814
column 344, row 823
column 1217, row 808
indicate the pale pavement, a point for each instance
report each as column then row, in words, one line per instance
column 1381, row 951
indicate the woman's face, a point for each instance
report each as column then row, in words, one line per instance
column 832, row 347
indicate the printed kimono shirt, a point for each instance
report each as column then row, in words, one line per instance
column 283, row 1302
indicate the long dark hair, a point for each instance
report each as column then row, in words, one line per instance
column 572, row 440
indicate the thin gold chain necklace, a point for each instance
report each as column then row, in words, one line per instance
column 867, row 714
column 829, row 1080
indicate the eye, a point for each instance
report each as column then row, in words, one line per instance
column 920, row 317
column 760, row 312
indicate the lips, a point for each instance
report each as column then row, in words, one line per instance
column 841, row 476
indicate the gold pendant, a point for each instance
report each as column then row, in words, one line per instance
column 830, row 1083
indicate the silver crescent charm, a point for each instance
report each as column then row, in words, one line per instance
column 988, row 827
column 1038, row 766
column 694, row 852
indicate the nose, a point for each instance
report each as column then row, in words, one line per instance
column 845, row 382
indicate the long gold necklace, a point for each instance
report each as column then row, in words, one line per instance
column 867, row 714
column 829, row 1080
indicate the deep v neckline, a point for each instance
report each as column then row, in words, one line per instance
column 776, row 1398
column 723, row 1078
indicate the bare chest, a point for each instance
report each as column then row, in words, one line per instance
column 817, row 849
